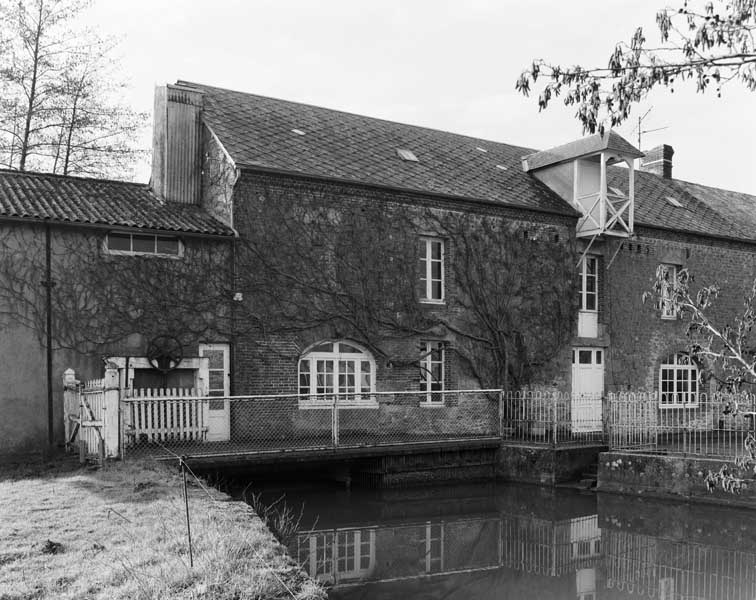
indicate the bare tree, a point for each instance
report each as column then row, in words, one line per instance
column 710, row 43
column 61, row 106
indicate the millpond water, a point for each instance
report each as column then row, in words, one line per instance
column 501, row 541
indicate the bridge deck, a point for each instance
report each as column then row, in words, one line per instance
column 217, row 454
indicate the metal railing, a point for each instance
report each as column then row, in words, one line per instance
column 552, row 419
column 165, row 423
column 719, row 424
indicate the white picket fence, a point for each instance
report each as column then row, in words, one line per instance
column 164, row 415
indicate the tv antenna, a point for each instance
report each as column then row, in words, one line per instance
column 640, row 129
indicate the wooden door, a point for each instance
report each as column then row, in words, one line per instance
column 217, row 412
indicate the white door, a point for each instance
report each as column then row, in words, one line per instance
column 587, row 389
column 217, row 412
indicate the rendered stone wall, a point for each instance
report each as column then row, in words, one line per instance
column 545, row 466
column 680, row 478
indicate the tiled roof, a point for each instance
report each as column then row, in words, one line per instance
column 264, row 132
column 96, row 201
column 259, row 132
column 582, row 147
column 705, row 210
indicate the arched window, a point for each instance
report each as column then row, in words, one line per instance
column 678, row 382
column 336, row 368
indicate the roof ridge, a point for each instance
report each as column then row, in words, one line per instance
column 712, row 187
column 355, row 114
column 76, row 177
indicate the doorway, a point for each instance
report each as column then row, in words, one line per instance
column 217, row 412
column 587, row 389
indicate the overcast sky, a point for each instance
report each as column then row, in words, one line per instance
column 446, row 65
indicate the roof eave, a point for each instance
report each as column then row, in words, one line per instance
column 110, row 226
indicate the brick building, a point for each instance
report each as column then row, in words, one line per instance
column 366, row 255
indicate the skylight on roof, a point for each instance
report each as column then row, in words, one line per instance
column 673, row 201
column 406, row 155
column 502, row 167
column 479, row 149
column 298, row 131
column 617, row 192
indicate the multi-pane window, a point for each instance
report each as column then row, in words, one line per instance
column 336, row 368
column 678, row 382
column 669, row 279
column 589, row 283
column 432, row 371
column 431, row 269
column 142, row 243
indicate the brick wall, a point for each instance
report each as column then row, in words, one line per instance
column 268, row 363
column 640, row 338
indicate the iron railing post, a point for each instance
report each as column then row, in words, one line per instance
column 555, row 418
column 501, row 413
column 335, row 421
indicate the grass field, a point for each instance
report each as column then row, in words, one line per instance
column 120, row 532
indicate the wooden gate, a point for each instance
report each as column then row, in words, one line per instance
column 92, row 418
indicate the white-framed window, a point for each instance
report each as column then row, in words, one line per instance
column 589, row 283
column 336, row 368
column 432, row 372
column 119, row 242
column 431, row 269
column 669, row 279
column 678, row 382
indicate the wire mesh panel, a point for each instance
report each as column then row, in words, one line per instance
column 166, row 422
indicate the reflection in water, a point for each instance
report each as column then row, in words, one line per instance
column 644, row 566
column 522, row 542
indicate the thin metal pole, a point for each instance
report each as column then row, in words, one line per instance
column 48, row 336
column 186, row 505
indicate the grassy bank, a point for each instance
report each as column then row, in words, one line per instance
column 120, row 532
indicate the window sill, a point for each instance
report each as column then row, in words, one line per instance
column 148, row 254
column 427, row 404
column 436, row 302
column 678, row 406
column 342, row 404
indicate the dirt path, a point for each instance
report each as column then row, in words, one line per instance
column 120, row 532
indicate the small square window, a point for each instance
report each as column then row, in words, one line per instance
column 120, row 242
column 143, row 243
column 167, row 245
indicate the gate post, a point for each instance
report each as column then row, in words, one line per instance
column 71, row 409
column 111, row 425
